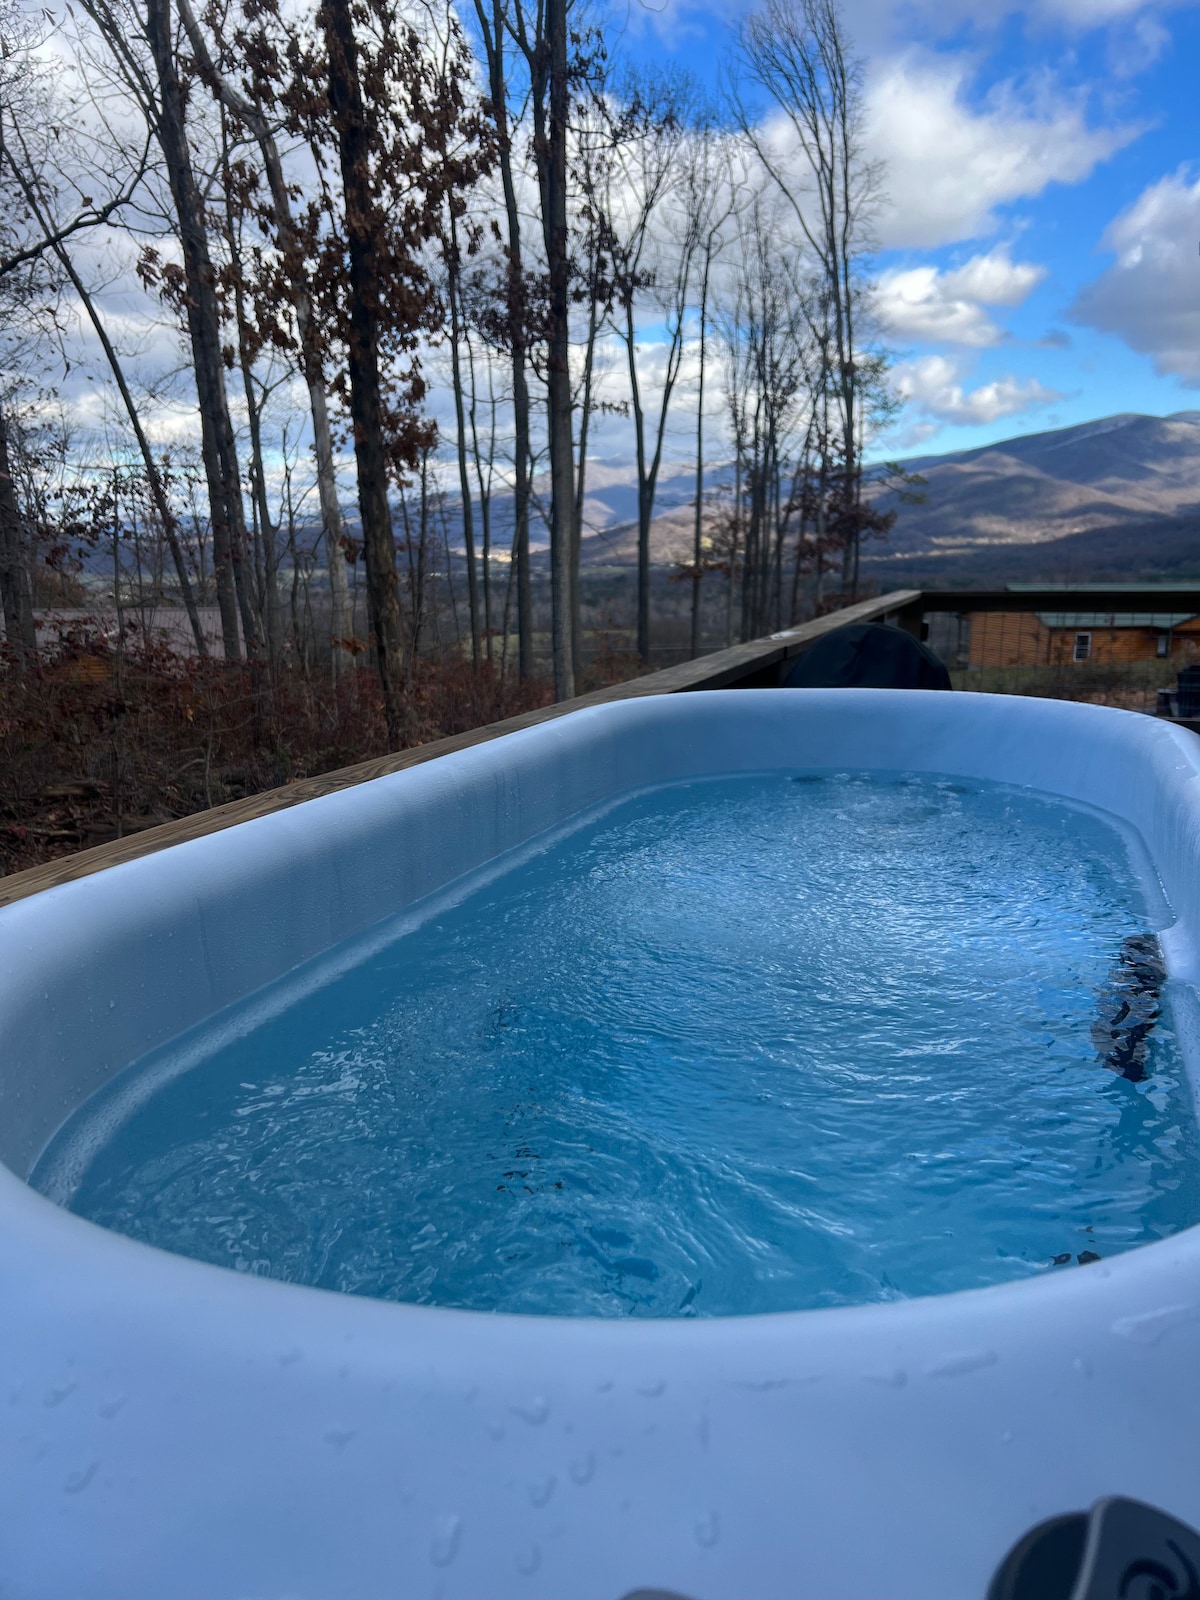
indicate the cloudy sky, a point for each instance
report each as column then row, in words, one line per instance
column 1040, row 248
column 1039, row 260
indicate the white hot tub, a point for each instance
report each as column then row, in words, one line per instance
column 173, row 1429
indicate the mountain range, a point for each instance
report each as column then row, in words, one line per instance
column 1117, row 498
column 1114, row 499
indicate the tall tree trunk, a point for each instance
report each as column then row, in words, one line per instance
column 648, row 470
column 362, row 358
column 589, row 361
column 485, row 491
column 734, row 541
column 464, row 477
column 493, row 31
column 551, row 145
column 698, row 529
column 643, row 500
column 269, row 599
column 14, row 580
column 341, row 624
column 218, row 447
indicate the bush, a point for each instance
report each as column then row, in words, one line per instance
column 105, row 738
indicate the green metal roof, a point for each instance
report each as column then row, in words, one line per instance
column 1101, row 588
column 1084, row 620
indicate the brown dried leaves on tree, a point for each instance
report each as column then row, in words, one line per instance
column 395, row 144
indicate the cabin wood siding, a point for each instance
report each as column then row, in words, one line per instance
column 1021, row 639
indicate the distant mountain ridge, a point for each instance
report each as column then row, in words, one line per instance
column 1119, row 497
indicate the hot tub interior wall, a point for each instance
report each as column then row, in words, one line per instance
column 98, row 972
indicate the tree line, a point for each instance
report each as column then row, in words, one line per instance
column 344, row 210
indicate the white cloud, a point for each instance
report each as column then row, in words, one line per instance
column 1137, row 47
column 925, row 303
column 949, row 165
column 876, row 22
column 879, row 23
column 1095, row 13
column 933, row 386
column 1080, row 14
column 1150, row 296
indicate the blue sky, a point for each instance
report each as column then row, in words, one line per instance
column 1040, row 260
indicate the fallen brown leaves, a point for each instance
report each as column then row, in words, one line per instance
column 98, row 742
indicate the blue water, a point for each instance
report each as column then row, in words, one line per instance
column 741, row 1045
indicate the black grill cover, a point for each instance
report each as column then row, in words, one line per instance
column 868, row 655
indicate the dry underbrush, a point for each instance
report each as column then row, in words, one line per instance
column 98, row 742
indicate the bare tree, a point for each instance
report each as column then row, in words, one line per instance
column 654, row 247
column 772, row 386
column 797, row 53
column 493, row 31
column 393, row 112
column 26, row 153
column 293, row 264
column 710, row 200
column 202, row 314
column 363, row 226
column 543, row 42
column 592, row 174
column 453, row 259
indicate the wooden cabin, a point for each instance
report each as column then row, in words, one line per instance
column 1058, row 638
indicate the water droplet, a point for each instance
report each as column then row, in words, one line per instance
column 112, row 1005
column 708, row 1530
column 339, row 1438
column 290, row 1357
column 529, row 1561
column 541, row 1489
column 495, row 1431
column 109, row 1408
column 958, row 1365
column 77, row 1482
column 582, row 1469
column 1150, row 1326
column 447, row 1535
column 534, row 1411
column 55, row 1397
column 1007, row 1436
column 1083, row 1366
column 652, row 1390
column 604, row 1385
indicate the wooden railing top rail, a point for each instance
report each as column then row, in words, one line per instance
column 717, row 671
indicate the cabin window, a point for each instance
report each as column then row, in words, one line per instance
column 1083, row 647
column 1163, row 647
